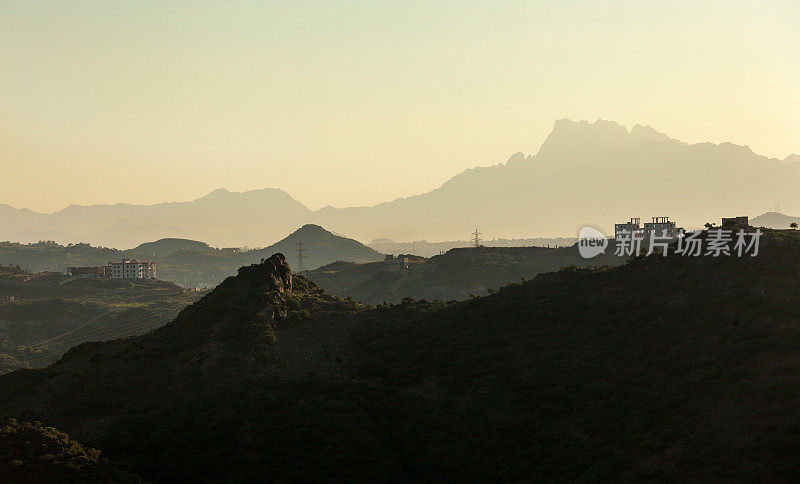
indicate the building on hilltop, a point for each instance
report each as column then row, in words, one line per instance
column 736, row 222
column 402, row 262
column 660, row 227
column 628, row 228
column 132, row 269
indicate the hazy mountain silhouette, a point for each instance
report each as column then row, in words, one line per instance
column 126, row 234
column 166, row 247
column 584, row 173
column 221, row 218
column 320, row 247
column 774, row 220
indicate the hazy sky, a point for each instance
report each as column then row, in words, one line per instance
column 356, row 102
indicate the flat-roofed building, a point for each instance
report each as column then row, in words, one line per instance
column 628, row 228
column 736, row 222
column 132, row 269
column 660, row 227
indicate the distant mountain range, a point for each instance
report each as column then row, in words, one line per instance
column 188, row 262
column 222, row 218
column 584, row 173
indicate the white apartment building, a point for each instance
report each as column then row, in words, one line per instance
column 132, row 269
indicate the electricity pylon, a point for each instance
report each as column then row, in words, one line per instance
column 476, row 238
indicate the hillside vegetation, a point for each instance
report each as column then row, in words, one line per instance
column 666, row 369
column 455, row 275
column 30, row 452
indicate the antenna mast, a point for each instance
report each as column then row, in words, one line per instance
column 476, row 238
column 299, row 256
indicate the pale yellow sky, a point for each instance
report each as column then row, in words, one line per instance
column 357, row 102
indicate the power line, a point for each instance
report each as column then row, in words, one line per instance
column 130, row 325
column 78, row 329
column 299, row 256
column 92, row 331
column 103, row 333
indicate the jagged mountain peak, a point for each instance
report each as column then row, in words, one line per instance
column 599, row 125
column 516, row 159
column 601, row 129
column 567, row 133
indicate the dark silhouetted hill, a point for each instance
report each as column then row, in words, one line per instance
column 30, row 452
column 662, row 369
column 166, row 247
column 429, row 249
column 319, row 247
column 455, row 275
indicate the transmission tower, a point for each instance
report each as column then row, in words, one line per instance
column 476, row 238
column 299, row 256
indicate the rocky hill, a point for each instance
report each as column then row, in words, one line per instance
column 664, row 369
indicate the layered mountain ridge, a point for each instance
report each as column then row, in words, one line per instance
column 584, row 173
